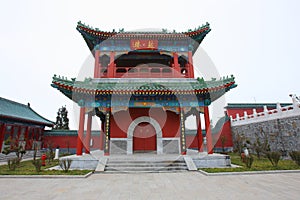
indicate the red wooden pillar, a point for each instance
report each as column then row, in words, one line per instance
column 176, row 64
column 199, row 132
column 80, row 131
column 101, row 135
column 19, row 133
column 12, row 139
column 191, row 67
column 97, row 65
column 26, row 139
column 208, row 131
column 111, row 67
column 2, row 133
column 88, row 133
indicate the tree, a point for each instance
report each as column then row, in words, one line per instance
column 261, row 145
column 238, row 142
column 62, row 120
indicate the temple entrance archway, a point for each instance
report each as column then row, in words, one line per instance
column 138, row 136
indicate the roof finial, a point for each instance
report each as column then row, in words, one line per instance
column 28, row 104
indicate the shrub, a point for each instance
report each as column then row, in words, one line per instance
column 249, row 161
column 273, row 157
column 13, row 146
column 37, row 164
column 238, row 141
column 12, row 163
column 65, row 164
column 295, row 155
column 50, row 156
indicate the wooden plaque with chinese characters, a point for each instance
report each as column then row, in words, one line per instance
column 143, row 44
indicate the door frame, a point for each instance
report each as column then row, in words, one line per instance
column 135, row 123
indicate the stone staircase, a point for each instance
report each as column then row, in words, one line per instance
column 145, row 164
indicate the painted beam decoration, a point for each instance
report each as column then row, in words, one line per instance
column 174, row 93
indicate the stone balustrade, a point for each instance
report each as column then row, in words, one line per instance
column 266, row 115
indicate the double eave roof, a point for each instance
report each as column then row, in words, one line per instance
column 175, row 86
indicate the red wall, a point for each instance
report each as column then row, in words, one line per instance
column 120, row 121
column 225, row 132
column 63, row 140
column 192, row 140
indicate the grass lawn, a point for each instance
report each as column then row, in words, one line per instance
column 262, row 164
column 27, row 168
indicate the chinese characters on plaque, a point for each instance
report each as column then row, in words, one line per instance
column 143, row 44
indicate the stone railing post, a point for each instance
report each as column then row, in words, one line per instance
column 245, row 115
column 295, row 102
column 254, row 113
column 278, row 108
column 237, row 117
column 266, row 111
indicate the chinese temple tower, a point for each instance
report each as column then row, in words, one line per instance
column 143, row 89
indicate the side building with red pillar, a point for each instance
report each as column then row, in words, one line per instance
column 143, row 88
column 20, row 124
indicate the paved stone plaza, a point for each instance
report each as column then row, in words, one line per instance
column 188, row 185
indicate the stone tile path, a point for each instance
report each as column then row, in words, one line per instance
column 187, row 185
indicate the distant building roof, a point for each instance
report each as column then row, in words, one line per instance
column 16, row 111
column 255, row 105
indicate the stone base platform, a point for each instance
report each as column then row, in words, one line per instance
column 90, row 161
column 194, row 160
column 204, row 160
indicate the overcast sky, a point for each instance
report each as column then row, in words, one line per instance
column 255, row 40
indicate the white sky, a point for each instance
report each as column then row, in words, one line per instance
column 255, row 40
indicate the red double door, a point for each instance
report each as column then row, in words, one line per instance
column 144, row 138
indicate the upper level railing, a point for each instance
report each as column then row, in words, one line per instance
column 145, row 72
column 266, row 115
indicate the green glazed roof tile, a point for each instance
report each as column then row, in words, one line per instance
column 14, row 110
